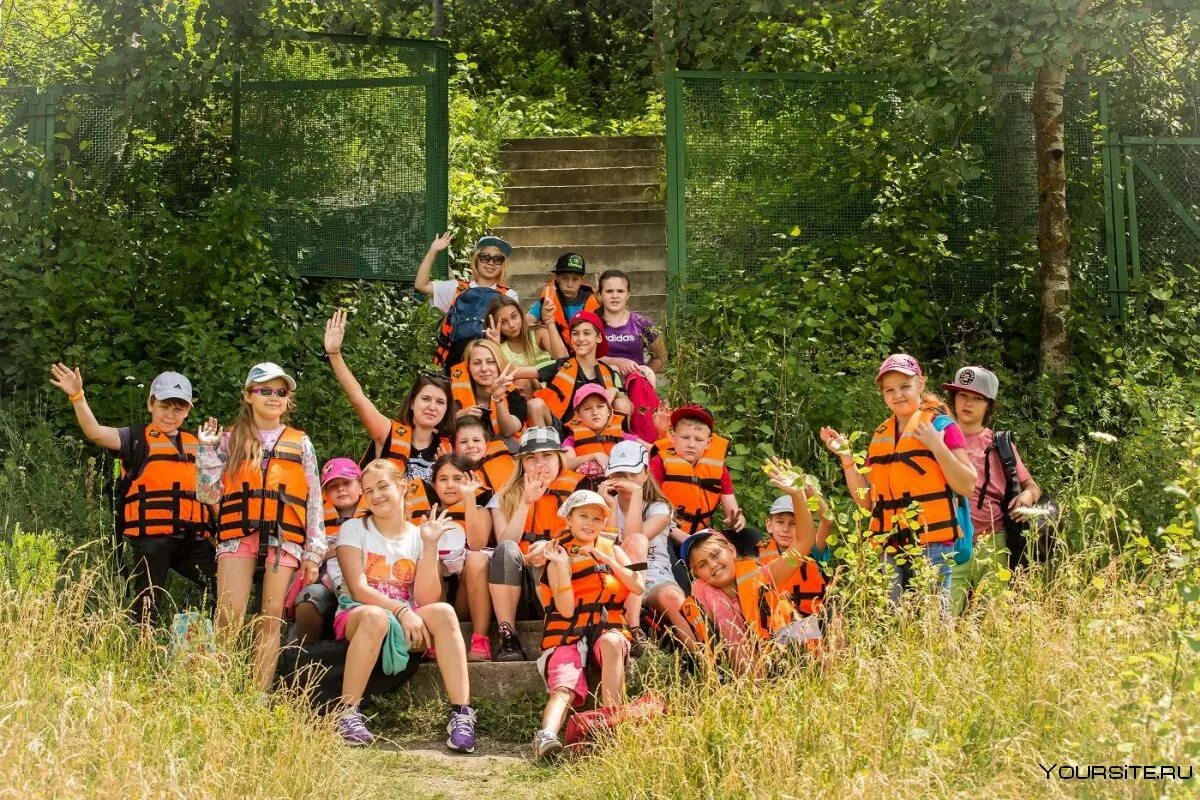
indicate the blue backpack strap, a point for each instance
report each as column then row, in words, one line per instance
column 965, row 544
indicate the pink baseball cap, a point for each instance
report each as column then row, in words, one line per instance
column 588, row 390
column 336, row 468
column 902, row 363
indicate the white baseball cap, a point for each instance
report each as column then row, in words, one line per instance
column 782, row 505
column 627, row 456
column 579, row 499
column 268, row 371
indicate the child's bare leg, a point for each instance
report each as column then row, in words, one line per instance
column 366, row 629
column 636, row 547
column 613, row 648
column 310, row 623
column 538, row 413
column 442, row 623
column 476, row 590
column 270, row 623
column 555, row 712
column 668, row 598
column 235, row 578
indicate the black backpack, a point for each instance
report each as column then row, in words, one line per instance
column 1026, row 541
column 465, row 322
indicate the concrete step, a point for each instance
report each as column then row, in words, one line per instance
column 596, row 193
column 630, row 257
column 493, row 681
column 585, row 143
column 532, row 236
column 584, row 216
column 535, row 159
column 529, row 632
column 584, row 205
column 581, row 176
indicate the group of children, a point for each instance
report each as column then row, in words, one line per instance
column 525, row 484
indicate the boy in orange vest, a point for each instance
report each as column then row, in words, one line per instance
column 690, row 466
column 593, row 433
column 158, row 513
column 563, row 296
column 806, row 586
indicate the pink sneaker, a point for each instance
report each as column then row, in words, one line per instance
column 481, row 648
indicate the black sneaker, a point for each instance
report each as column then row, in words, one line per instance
column 510, row 645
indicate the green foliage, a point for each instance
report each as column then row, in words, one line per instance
column 28, row 560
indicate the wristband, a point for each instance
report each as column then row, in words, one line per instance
column 75, row 398
column 333, row 353
column 566, row 588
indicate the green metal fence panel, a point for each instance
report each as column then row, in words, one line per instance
column 1162, row 195
column 350, row 139
column 758, row 163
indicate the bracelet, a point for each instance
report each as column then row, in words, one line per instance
column 75, row 398
column 399, row 608
column 566, row 588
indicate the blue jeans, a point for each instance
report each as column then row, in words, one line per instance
column 940, row 554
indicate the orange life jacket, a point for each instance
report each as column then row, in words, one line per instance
column 590, row 303
column 161, row 499
column 463, row 392
column 397, row 447
column 419, row 504
column 905, row 472
column 542, row 520
column 599, row 597
column 766, row 610
column 561, row 391
column 694, row 491
column 587, row 441
column 271, row 500
column 442, row 352
column 806, row 588
column 497, row 466
column 334, row 519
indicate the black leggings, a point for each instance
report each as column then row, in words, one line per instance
column 153, row 556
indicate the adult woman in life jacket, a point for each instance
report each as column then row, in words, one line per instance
column 918, row 455
column 525, row 518
column 421, row 434
column 482, row 387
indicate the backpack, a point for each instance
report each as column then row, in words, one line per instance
column 964, row 545
column 645, row 402
column 464, row 322
column 586, row 728
column 1018, row 536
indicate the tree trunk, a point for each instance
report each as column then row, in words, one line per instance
column 1054, row 223
column 439, row 19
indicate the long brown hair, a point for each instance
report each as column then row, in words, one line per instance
column 244, row 446
column 510, row 495
column 526, row 335
column 438, row 381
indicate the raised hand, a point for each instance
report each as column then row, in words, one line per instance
column 503, row 383
column 548, row 310
column 662, row 419
column 442, row 242
column 210, row 432
column 534, row 489
column 436, row 524
column 837, row 443
column 335, row 331
column 67, row 379
column 492, row 331
column 471, row 486
column 555, row 553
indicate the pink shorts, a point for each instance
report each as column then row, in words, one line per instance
column 563, row 668
column 248, row 548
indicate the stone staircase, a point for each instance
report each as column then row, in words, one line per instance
column 494, row 681
column 594, row 195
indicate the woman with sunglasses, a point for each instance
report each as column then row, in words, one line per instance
column 262, row 474
column 422, row 433
column 488, row 266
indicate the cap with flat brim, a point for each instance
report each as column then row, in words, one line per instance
column 570, row 264
column 690, row 543
column 494, row 241
column 977, row 381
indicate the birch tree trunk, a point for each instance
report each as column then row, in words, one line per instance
column 1054, row 223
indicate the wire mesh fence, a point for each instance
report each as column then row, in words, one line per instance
column 1162, row 190
column 763, row 165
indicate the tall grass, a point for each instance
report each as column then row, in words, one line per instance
column 89, row 707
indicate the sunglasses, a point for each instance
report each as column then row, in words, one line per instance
column 266, row 391
column 488, row 258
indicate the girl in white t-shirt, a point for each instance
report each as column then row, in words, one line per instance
column 643, row 516
column 390, row 569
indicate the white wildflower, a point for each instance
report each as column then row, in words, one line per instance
column 1031, row 511
column 1105, row 438
column 1171, row 488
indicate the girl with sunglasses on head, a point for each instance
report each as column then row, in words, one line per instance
column 488, row 268
column 262, row 474
column 421, row 434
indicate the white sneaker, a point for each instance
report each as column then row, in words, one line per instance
column 546, row 746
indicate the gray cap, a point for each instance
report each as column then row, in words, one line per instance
column 975, row 380
column 536, row 439
column 782, row 505
column 171, row 386
column 268, row 371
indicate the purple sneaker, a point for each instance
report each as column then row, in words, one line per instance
column 352, row 726
column 462, row 730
